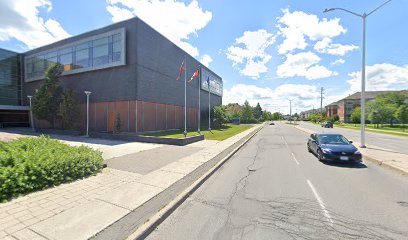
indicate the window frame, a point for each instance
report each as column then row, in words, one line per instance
column 73, row 45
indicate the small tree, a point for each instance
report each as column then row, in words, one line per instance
column 258, row 111
column 47, row 100
column 375, row 118
column 68, row 109
column 247, row 114
column 334, row 118
column 356, row 115
column 402, row 115
column 266, row 116
column 219, row 116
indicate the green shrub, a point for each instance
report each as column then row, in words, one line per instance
column 30, row 164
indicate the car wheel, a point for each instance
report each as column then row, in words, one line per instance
column 319, row 155
column 308, row 148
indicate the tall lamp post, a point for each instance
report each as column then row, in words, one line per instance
column 87, row 112
column 363, row 75
column 290, row 110
column 31, row 113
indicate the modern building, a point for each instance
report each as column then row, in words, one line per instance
column 12, row 111
column 345, row 107
column 131, row 70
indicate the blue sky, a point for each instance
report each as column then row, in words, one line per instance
column 265, row 51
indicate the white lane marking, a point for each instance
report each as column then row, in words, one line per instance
column 285, row 141
column 294, row 158
column 320, row 201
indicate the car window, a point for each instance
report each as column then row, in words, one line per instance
column 332, row 139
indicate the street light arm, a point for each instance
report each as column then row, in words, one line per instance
column 378, row 7
column 332, row 9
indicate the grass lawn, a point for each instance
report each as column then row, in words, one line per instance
column 216, row 134
column 397, row 130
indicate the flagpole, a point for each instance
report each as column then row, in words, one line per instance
column 199, row 98
column 209, row 105
column 185, row 97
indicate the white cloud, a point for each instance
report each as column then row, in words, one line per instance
column 304, row 64
column 295, row 26
column 21, row 20
column 206, row 60
column 175, row 20
column 119, row 14
column 326, row 46
column 382, row 76
column 249, row 52
column 338, row 62
column 304, row 96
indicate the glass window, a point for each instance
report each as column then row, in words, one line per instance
column 51, row 58
column 117, row 37
column 116, row 51
column 100, row 51
column 82, row 55
column 29, row 67
column 65, row 58
column 101, row 41
column 38, row 66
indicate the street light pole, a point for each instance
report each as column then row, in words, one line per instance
column 31, row 113
column 363, row 75
column 290, row 110
column 87, row 112
column 363, row 80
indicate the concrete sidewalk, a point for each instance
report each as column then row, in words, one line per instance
column 381, row 156
column 84, row 208
column 109, row 148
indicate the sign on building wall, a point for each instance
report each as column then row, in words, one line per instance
column 215, row 82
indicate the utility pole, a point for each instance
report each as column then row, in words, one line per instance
column 321, row 100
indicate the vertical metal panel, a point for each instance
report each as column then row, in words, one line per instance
column 166, row 116
column 128, row 117
column 107, row 117
column 132, row 113
column 143, row 128
column 161, row 116
column 155, row 122
column 149, row 113
column 136, row 115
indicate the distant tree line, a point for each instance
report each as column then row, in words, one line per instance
column 223, row 114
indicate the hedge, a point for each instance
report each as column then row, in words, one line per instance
column 31, row 164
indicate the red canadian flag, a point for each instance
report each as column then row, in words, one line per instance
column 195, row 74
column 181, row 71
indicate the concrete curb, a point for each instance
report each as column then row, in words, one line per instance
column 143, row 231
column 365, row 157
column 387, row 165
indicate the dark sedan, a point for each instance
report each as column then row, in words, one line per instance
column 327, row 125
column 333, row 147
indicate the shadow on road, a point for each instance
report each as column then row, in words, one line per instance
column 345, row 165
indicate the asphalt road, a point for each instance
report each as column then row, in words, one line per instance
column 274, row 189
column 394, row 143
